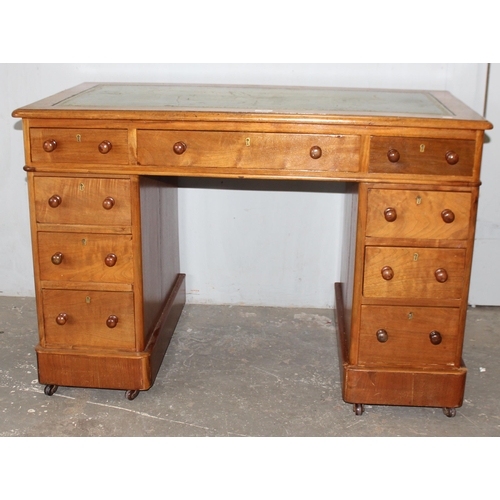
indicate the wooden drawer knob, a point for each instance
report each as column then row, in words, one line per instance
column 448, row 216
column 112, row 321
column 435, row 337
column 382, row 336
column 390, row 214
column 55, row 201
column 49, row 145
column 110, row 259
column 105, row 147
column 61, row 319
column 393, row 155
column 441, row 275
column 315, row 152
column 387, row 273
column 108, row 203
column 452, row 157
column 57, row 258
column 179, row 147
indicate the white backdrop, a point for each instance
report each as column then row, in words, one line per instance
column 243, row 242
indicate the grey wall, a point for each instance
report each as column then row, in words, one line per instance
column 255, row 243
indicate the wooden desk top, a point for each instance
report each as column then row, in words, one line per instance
column 415, row 108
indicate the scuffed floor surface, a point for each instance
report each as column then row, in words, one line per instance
column 238, row 371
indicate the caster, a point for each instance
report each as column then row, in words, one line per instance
column 358, row 409
column 450, row 412
column 50, row 389
column 132, row 394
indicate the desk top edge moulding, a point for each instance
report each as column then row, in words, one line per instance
column 102, row 157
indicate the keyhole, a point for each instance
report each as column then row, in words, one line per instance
column 418, row 200
column 247, row 141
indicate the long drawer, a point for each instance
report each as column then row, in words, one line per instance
column 413, row 272
column 406, row 335
column 198, row 149
column 88, row 319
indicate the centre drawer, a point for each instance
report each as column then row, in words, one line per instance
column 397, row 213
column 405, row 272
column 82, row 200
column 85, row 257
column 199, row 149
column 401, row 335
column 88, row 319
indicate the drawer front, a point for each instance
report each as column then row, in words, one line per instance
column 61, row 145
column 88, row 319
column 85, row 257
column 401, row 272
column 71, row 200
column 248, row 150
column 413, row 155
column 418, row 214
column 397, row 335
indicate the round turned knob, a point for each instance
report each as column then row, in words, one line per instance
column 61, row 319
column 55, row 201
column 435, row 337
column 57, row 258
column 451, row 157
column 49, row 145
column 108, row 203
column 315, row 152
column 390, row 214
column 448, row 216
column 441, row 275
column 112, row 321
column 179, row 148
column 393, row 155
column 104, row 147
column 110, row 259
column 387, row 273
column 382, row 336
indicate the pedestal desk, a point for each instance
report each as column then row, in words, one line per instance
column 102, row 162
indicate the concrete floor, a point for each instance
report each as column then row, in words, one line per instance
column 238, row 371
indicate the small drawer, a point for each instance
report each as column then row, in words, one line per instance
column 72, row 200
column 416, row 336
column 85, row 257
column 79, row 145
column 414, row 155
column 88, row 319
column 418, row 214
column 256, row 151
column 403, row 272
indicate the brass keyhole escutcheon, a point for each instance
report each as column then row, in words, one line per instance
column 415, row 256
column 87, row 299
column 418, row 199
column 422, row 148
column 410, row 315
column 81, row 186
column 84, row 242
column 247, row 141
column 78, row 138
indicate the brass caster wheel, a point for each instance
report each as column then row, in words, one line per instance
column 132, row 394
column 450, row 412
column 358, row 409
column 50, row 389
